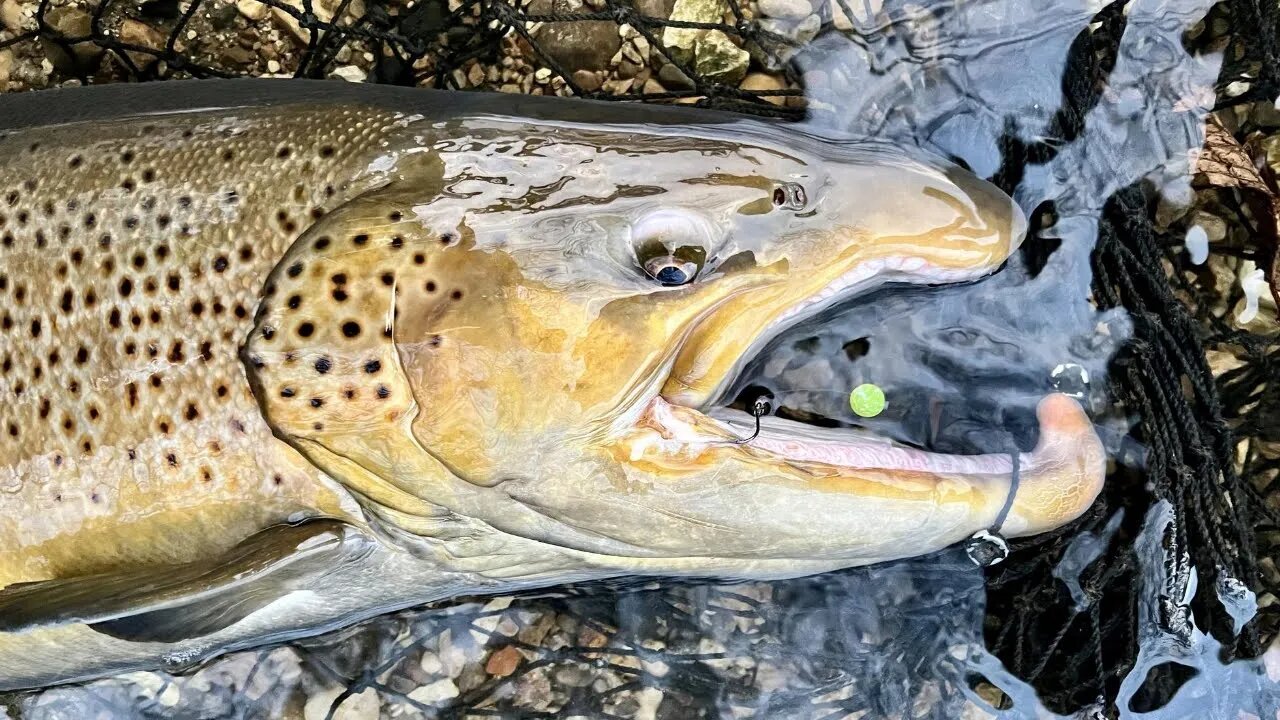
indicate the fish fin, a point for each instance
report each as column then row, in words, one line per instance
column 167, row 603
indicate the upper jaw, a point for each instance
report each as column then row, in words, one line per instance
column 856, row 281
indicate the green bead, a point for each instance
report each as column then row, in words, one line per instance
column 867, row 400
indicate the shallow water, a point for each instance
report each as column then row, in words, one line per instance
column 962, row 367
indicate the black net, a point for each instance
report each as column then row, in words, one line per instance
column 607, row 50
column 1204, row 392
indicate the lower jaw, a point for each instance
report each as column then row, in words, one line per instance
column 684, row 430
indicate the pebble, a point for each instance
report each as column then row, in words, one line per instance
column 350, row 73
column 681, row 42
column 363, row 706
column 70, row 22
column 672, row 77
column 504, row 661
column 6, row 67
column 786, row 8
column 542, row 75
column 138, row 33
column 584, row 45
column 436, row 692
column 253, row 10
column 718, row 58
column 764, row 82
column 273, row 66
column 587, row 80
column 11, row 16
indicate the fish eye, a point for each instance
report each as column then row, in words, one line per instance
column 671, row 269
column 671, row 246
column 790, row 196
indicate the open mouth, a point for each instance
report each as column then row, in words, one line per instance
column 719, row 421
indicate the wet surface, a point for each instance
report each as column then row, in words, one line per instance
column 990, row 85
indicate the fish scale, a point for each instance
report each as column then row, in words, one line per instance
column 133, row 257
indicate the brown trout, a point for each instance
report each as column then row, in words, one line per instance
column 279, row 356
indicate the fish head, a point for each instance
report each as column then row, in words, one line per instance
column 559, row 310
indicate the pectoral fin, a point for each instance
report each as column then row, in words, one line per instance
column 168, row 603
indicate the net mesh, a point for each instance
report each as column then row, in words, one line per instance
column 1206, row 392
column 560, row 47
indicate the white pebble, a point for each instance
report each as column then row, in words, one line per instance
column 273, row 66
column 350, row 73
column 1197, row 242
column 438, row 691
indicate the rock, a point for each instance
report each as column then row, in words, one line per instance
column 627, row 69
column 290, row 23
column 655, row 8
column 323, row 10
column 795, row 9
column 364, row 706
column 618, row 87
column 672, row 77
column 587, row 80
column 476, row 75
column 11, row 16
column 648, row 700
column 436, row 692
column 719, row 59
column 235, row 56
column 1215, row 228
column 6, row 67
column 800, row 33
column 764, row 82
column 138, row 33
column 70, row 22
column 503, row 662
column 221, row 17
column 653, row 87
column 572, row 676
column 681, row 42
column 864, row 13
column 350, row 73
column 584, row 45
column 542, row 75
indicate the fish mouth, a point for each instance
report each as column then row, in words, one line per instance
column 721, row 419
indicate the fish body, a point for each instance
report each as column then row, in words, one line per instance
column 278, row 356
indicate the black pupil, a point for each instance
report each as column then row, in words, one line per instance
column 672, row 275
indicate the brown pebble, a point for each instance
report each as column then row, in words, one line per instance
column 503, row 661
